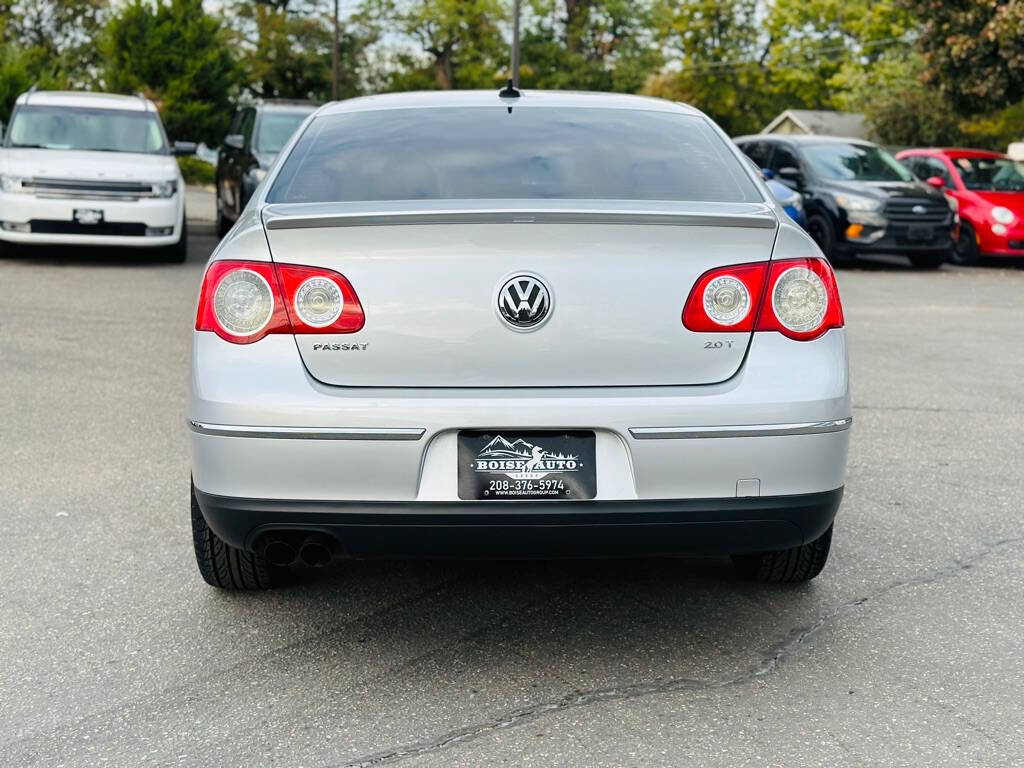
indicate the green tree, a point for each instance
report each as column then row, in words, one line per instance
column 599, row 45
column 47, row 43
column 179, row 56
column 716, row 53
column 462, row 39
column 287, row 50
column 974, row 51
column 900, row 109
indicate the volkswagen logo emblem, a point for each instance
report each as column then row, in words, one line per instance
column 524, row 302
column 919, row 209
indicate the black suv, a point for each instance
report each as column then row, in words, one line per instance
column 257, row 133
column 858, row 197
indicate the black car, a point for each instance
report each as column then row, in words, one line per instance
column 858, row 197
column 257, row 133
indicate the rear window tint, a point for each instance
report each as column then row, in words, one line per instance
column 489, row 153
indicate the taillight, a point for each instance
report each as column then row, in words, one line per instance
column 725, row 299
column 243, row 301
column 799, row 299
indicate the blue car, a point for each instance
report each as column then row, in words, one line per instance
column 789, row 199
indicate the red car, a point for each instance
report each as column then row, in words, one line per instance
column 989, row 188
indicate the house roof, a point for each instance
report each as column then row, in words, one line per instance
column 823, row 122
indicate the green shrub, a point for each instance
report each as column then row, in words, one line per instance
column 196, row 171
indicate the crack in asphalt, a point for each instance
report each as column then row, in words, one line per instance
column 767, row 665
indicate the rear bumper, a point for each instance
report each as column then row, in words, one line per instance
column 545, row 529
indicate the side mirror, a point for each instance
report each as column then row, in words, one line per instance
column 235, row 141
column 183, row 148
column 767, row 173
column 791, row 175
column 935, row 181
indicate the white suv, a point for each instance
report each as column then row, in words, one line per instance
column 91, row 169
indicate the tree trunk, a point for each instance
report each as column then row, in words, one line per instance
column 444, row 71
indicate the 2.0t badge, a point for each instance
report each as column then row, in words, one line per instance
column 524, row 302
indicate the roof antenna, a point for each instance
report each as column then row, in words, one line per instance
column 511, row 91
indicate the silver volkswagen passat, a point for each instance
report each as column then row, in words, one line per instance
column 544, row 325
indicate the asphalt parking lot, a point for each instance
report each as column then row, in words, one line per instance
column 908, row 650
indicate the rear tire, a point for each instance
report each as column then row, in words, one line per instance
column 824, row 234
column 222, row 565
column 966, row 253
column 927, row 260
column 786, row 566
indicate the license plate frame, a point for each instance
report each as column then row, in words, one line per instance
column 88, row 217
column 527, row 465
column 920, row 233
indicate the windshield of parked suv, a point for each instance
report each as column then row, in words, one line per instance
column 491, row 153
column 102, row 130
column 275, row 129
column 991, row 173
column 854, row 162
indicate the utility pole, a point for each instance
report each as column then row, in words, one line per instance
column 514, row 74
column 334, row 56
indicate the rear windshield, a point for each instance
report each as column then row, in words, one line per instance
column 490, row 153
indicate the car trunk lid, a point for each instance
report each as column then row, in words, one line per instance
column 429, row 278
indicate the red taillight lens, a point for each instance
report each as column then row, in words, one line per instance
column 802, row 299
column 796, row 297
column 243, row 301
column 320, row 301
column 725, row 299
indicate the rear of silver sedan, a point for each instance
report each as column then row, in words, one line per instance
column 562, row 325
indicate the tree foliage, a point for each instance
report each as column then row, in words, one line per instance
column 176, row 54
column 286, row 50
column 974, row 51
column 922, row 71
column 596, row 45
column 462, row 40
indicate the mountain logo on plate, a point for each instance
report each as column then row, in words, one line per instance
column 522, row 460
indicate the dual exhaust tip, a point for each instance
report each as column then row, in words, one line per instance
column 315, row 550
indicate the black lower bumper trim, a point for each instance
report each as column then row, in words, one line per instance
column 528, row 529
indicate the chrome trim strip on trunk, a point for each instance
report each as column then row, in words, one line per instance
column 306, row 433
column 316, row 215
column 747, row 430
column 513, row 217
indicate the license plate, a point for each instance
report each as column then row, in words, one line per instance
column 88, row 216
column 920, row 232
column 508, row 465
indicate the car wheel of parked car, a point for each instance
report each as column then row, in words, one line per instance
column 801, row 563
column 822, row 232
column 223, row 225
column 177, row 253
column 928, row 260
column 966, row 251
column 222, row 565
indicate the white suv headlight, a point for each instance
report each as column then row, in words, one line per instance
column 10, row 184
column 165, row 188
